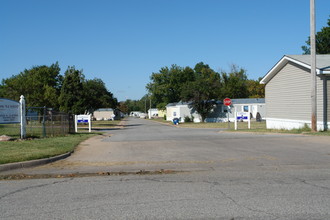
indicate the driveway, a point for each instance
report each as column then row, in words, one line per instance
column 147, row 145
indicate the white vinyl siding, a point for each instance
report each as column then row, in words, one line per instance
column 288, row 94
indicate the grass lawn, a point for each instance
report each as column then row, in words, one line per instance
column 257, row 127
column 12, row 130
column 31, row 149
column 241, row 125
column 24, row 150
column 100, row 124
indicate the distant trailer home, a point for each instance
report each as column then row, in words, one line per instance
column 153, row 113
column 220, row 112
column 104, row 114
column 181, row 110
column 288, row 92
column 256, row 106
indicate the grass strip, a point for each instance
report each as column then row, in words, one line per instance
column 101, row 123
column 256, row 127
column 24, row 150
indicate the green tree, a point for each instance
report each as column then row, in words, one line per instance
column 40, row 85
column 203, row 91
column 96, row 95
column 234, row 83
column 255, row 89
column 123, row 107
column 322, row 41
column 166, row 85
column 72, row 97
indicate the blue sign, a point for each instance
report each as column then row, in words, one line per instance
column 83, row 121
column 242, row 117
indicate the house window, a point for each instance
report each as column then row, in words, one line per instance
column 246, row 108
column 174, row 114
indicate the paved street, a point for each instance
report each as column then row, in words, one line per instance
column 227, row 176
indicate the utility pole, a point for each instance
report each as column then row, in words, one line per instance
column 313, row 66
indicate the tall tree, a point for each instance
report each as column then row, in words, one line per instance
column 234, row 83
column 40, row 85
column 322, row 41
column 255, row 89
column 203, row 91
column 123, row 107
column 96, row 95
column 166, row 85
column 132, row 105
column 72, row 97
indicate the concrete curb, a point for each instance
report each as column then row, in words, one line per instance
column 33, row 163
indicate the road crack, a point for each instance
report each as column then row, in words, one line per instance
column 314, row 185
column 33, row 187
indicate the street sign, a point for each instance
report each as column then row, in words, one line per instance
column 227, row 102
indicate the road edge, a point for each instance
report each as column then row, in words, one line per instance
column 33, row 163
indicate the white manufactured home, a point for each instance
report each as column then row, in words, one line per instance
column 288, row 92
column 104, row 114
column 220, row 112
column 181, row 110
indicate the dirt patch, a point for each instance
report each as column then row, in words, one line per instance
column 76, row 175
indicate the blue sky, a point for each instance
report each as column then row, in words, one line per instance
column 123, row 41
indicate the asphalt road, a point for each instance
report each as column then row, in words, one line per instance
column 227, row 176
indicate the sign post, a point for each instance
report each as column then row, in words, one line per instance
column 227, row 102
column 23, row 119
column 235, row 116
column 249, row 117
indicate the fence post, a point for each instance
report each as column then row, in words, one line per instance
column 51, row 120
column 23, row 118
column 43, row 123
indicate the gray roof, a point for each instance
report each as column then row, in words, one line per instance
column 248, row 101
column 104, row 110
column 234, row 101
column 177, row 103
column 322, row 60
column 322, row 64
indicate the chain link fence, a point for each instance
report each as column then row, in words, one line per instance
column 42, row 122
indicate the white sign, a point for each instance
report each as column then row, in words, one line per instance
column 83, row 119
column 243, row 115
column 9, row 111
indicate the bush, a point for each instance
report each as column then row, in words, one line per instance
column 187, row 119
column 164, row 117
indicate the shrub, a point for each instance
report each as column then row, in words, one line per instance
column 187, row 119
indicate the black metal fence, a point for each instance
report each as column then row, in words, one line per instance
column 42, row 122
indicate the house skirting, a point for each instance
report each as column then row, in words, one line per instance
column 288, row 124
